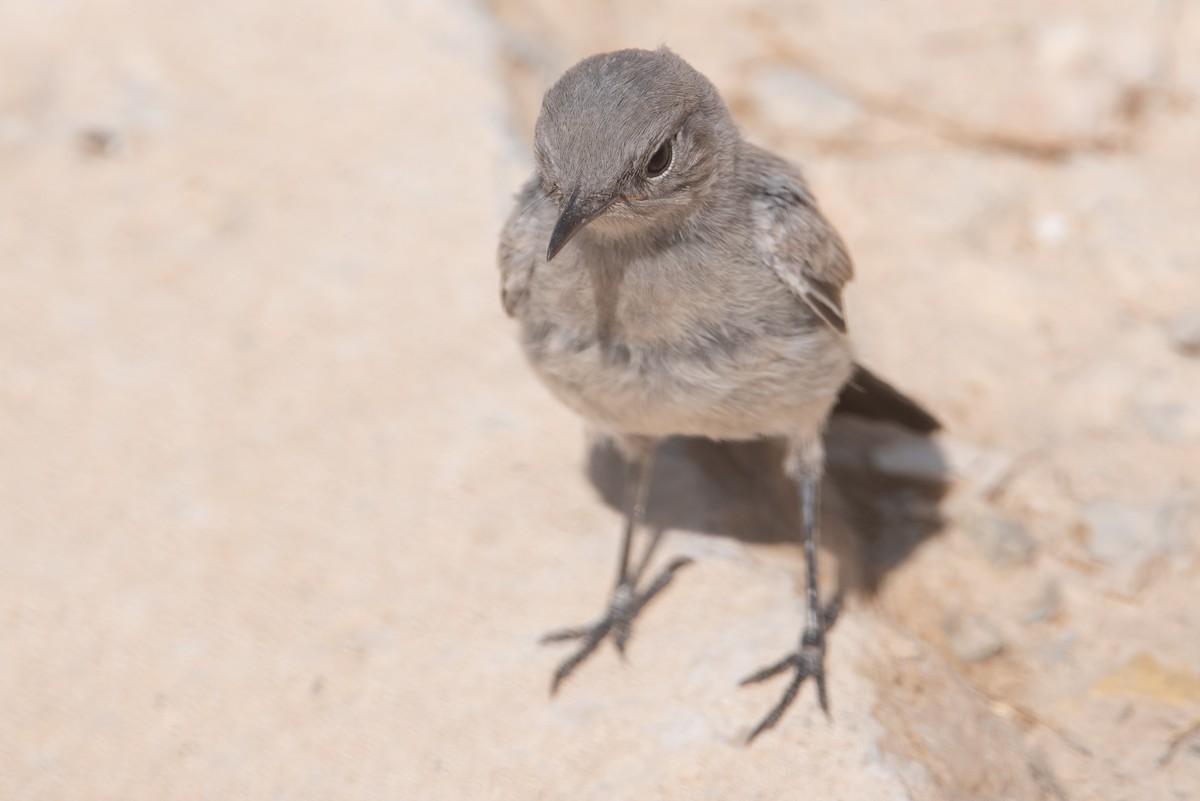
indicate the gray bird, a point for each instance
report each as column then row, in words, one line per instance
column 671, row 278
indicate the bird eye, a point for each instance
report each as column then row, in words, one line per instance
column 660, row 161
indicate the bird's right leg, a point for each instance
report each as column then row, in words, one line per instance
column 626, row 600
column 806, row 462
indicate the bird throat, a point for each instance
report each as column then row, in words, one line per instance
column 606, row 276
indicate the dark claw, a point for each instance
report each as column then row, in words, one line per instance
column 621, row 632
column 562, row 635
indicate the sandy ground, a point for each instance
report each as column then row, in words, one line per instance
column 283, row 513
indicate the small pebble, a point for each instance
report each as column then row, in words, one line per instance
column 973, row 639
column 1004, row 542
column 1178, row 519
column 1058, row 651
column 1118, row 531
column 1128, row 539
column 97, row 141
column 1184, row 332
column 1050, row 230
column 1166, row 422
column 1048, row 607
column 902, row 648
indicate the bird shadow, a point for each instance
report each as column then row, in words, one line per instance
column 876, row 510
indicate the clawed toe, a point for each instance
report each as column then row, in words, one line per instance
column 805, row 662
column 768, row 672
column 618, row 620
column 591, row 642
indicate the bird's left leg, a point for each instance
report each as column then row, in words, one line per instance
column 627, row 600
column 805, row 463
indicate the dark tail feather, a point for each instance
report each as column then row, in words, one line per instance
column 868, row 395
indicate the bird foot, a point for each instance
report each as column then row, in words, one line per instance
column 806, row 661
column 618, row 621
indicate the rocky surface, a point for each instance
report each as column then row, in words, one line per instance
column 284, row 513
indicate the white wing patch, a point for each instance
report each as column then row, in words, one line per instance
column 804, row 251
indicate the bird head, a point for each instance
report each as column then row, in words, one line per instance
column 628, row 142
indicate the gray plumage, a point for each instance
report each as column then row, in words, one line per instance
column 706, row 301
column 671, row 278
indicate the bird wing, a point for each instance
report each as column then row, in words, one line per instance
column 522, row 244
column 800, row 244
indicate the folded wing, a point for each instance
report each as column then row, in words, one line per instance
column 800, row 245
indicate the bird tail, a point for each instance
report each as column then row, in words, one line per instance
column 867, row 395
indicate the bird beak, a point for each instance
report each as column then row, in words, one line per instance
column 576, row 213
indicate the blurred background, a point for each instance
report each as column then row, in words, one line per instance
column 283, row 512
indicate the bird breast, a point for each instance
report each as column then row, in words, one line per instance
column 738, row 359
